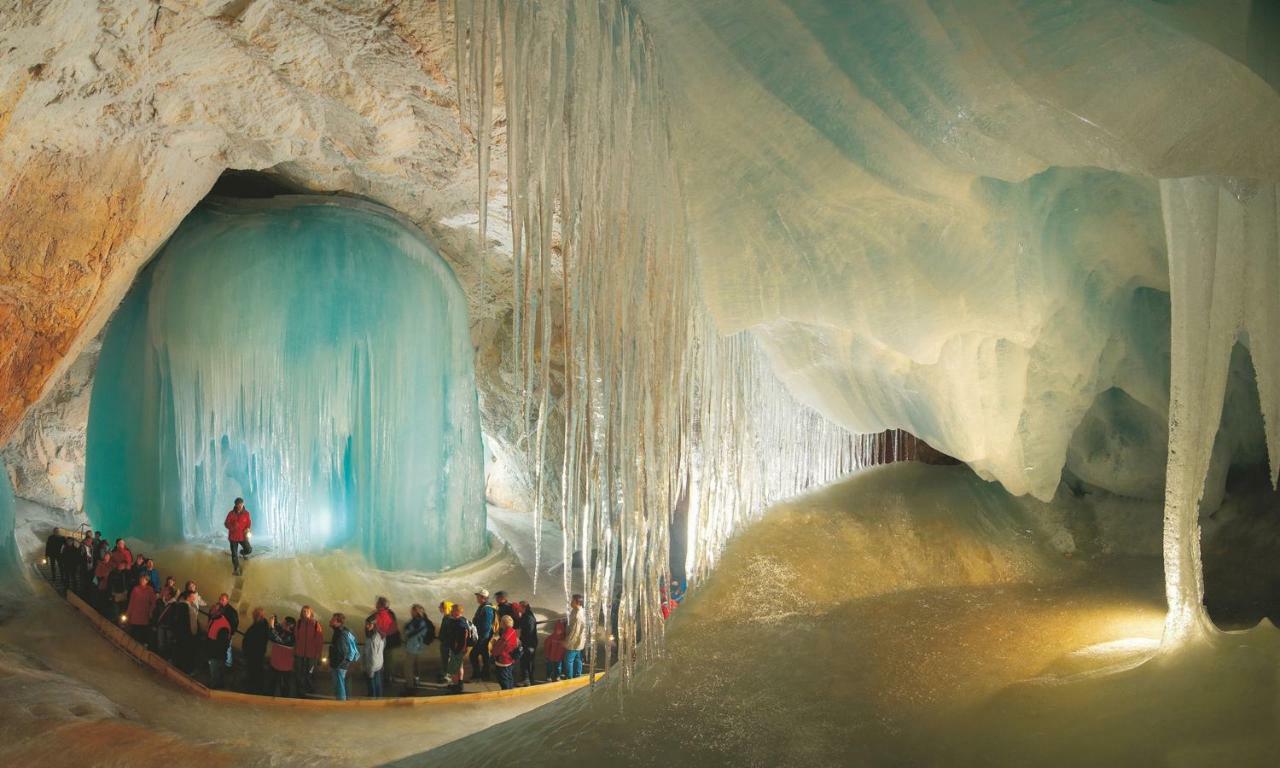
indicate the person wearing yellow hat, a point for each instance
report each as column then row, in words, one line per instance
column 446, row 606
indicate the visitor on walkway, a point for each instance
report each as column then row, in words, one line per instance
column 153, row 575
column 139, row 567
column 485, row 620
column 71, row 563
column 162, row 619
column 224, row 607
column 142, row 603
column 343, row 652
column 555, row 653
column 53, row 547
column 575, row 639
column 100, row 547
column 455, row 636
column 384, row 620
column 446, row 607
column 238, row 523
column 120, row 583
column 505, row 643
column 254, row 650
column 504, row 606
column 121, row 554
column 186, row 626
column 191, row 589
column 419, row 632
column 218, row 647
column 307, row 650
column 374, row 648
column 527, row 626
column 281, row 653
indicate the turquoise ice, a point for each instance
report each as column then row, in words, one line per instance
column 8, row 549
column 311, row 355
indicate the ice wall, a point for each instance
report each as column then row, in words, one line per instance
column 309, row 354
column 939, row 216
column 9, row 559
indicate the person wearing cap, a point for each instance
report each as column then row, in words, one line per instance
column 485, row 619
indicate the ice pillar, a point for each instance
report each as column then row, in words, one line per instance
column 1224, row 276
column 309, row 354
column 9, row 561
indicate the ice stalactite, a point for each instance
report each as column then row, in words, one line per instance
column 310, row 355
column 656, row 406
column 1224, row 274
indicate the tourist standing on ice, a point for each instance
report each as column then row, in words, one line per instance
column 575, row 639
column 485, row 620
column 419, row 632
column 385, row 622
column 505, row 643
column 343, row 652
column 374, row 648
column 281, row 656
column 254, row 650
column 555, row 653
column 142, row 603
column 238, row 523
column 455, row 635
column 307, row 649
column 446, row 607
column 527, row 624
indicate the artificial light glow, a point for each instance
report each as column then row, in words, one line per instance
column 44, row 561
column 123, row 618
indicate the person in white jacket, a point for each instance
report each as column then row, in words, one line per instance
column 374, row 648
column 575, row 639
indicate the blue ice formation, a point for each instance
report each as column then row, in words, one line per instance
column 311, row 355
column 8, row 547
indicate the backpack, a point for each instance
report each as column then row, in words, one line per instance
column 349, row 644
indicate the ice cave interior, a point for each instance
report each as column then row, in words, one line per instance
column 931, row 343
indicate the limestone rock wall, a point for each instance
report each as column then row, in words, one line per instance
column 117, row 118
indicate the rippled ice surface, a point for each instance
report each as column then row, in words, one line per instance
column 913, row 617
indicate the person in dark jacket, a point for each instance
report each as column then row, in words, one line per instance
column 454, row 636
column 71, row 563
column 341, row 654
column 53, row 555
column 504, row 606
column 119, row 583
column 486, row 620
column 281, row 650
column 254, row 650
column 186, row 628
column 527, row 625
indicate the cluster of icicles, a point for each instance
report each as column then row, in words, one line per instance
column 656, row 407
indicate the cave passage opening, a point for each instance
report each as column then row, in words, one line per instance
column 308, row 353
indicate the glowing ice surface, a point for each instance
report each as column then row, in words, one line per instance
column 310, row 355
column 9, row 560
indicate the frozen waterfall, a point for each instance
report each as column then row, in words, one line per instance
column 311, row 355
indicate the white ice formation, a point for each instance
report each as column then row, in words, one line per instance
column 944, row 217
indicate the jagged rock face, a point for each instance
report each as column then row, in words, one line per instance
column 116, row 120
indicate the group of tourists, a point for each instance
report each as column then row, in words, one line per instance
column 279, row 657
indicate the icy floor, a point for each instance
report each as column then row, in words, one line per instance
column 909, row 617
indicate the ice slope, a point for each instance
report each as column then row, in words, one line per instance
column 310, row 355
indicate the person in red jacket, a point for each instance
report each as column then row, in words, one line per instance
column 238, row 524
column 308, row 646
column 142, row 601
column 504, row 644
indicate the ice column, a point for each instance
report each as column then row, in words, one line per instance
column 1224, row 275
column 309, row 354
